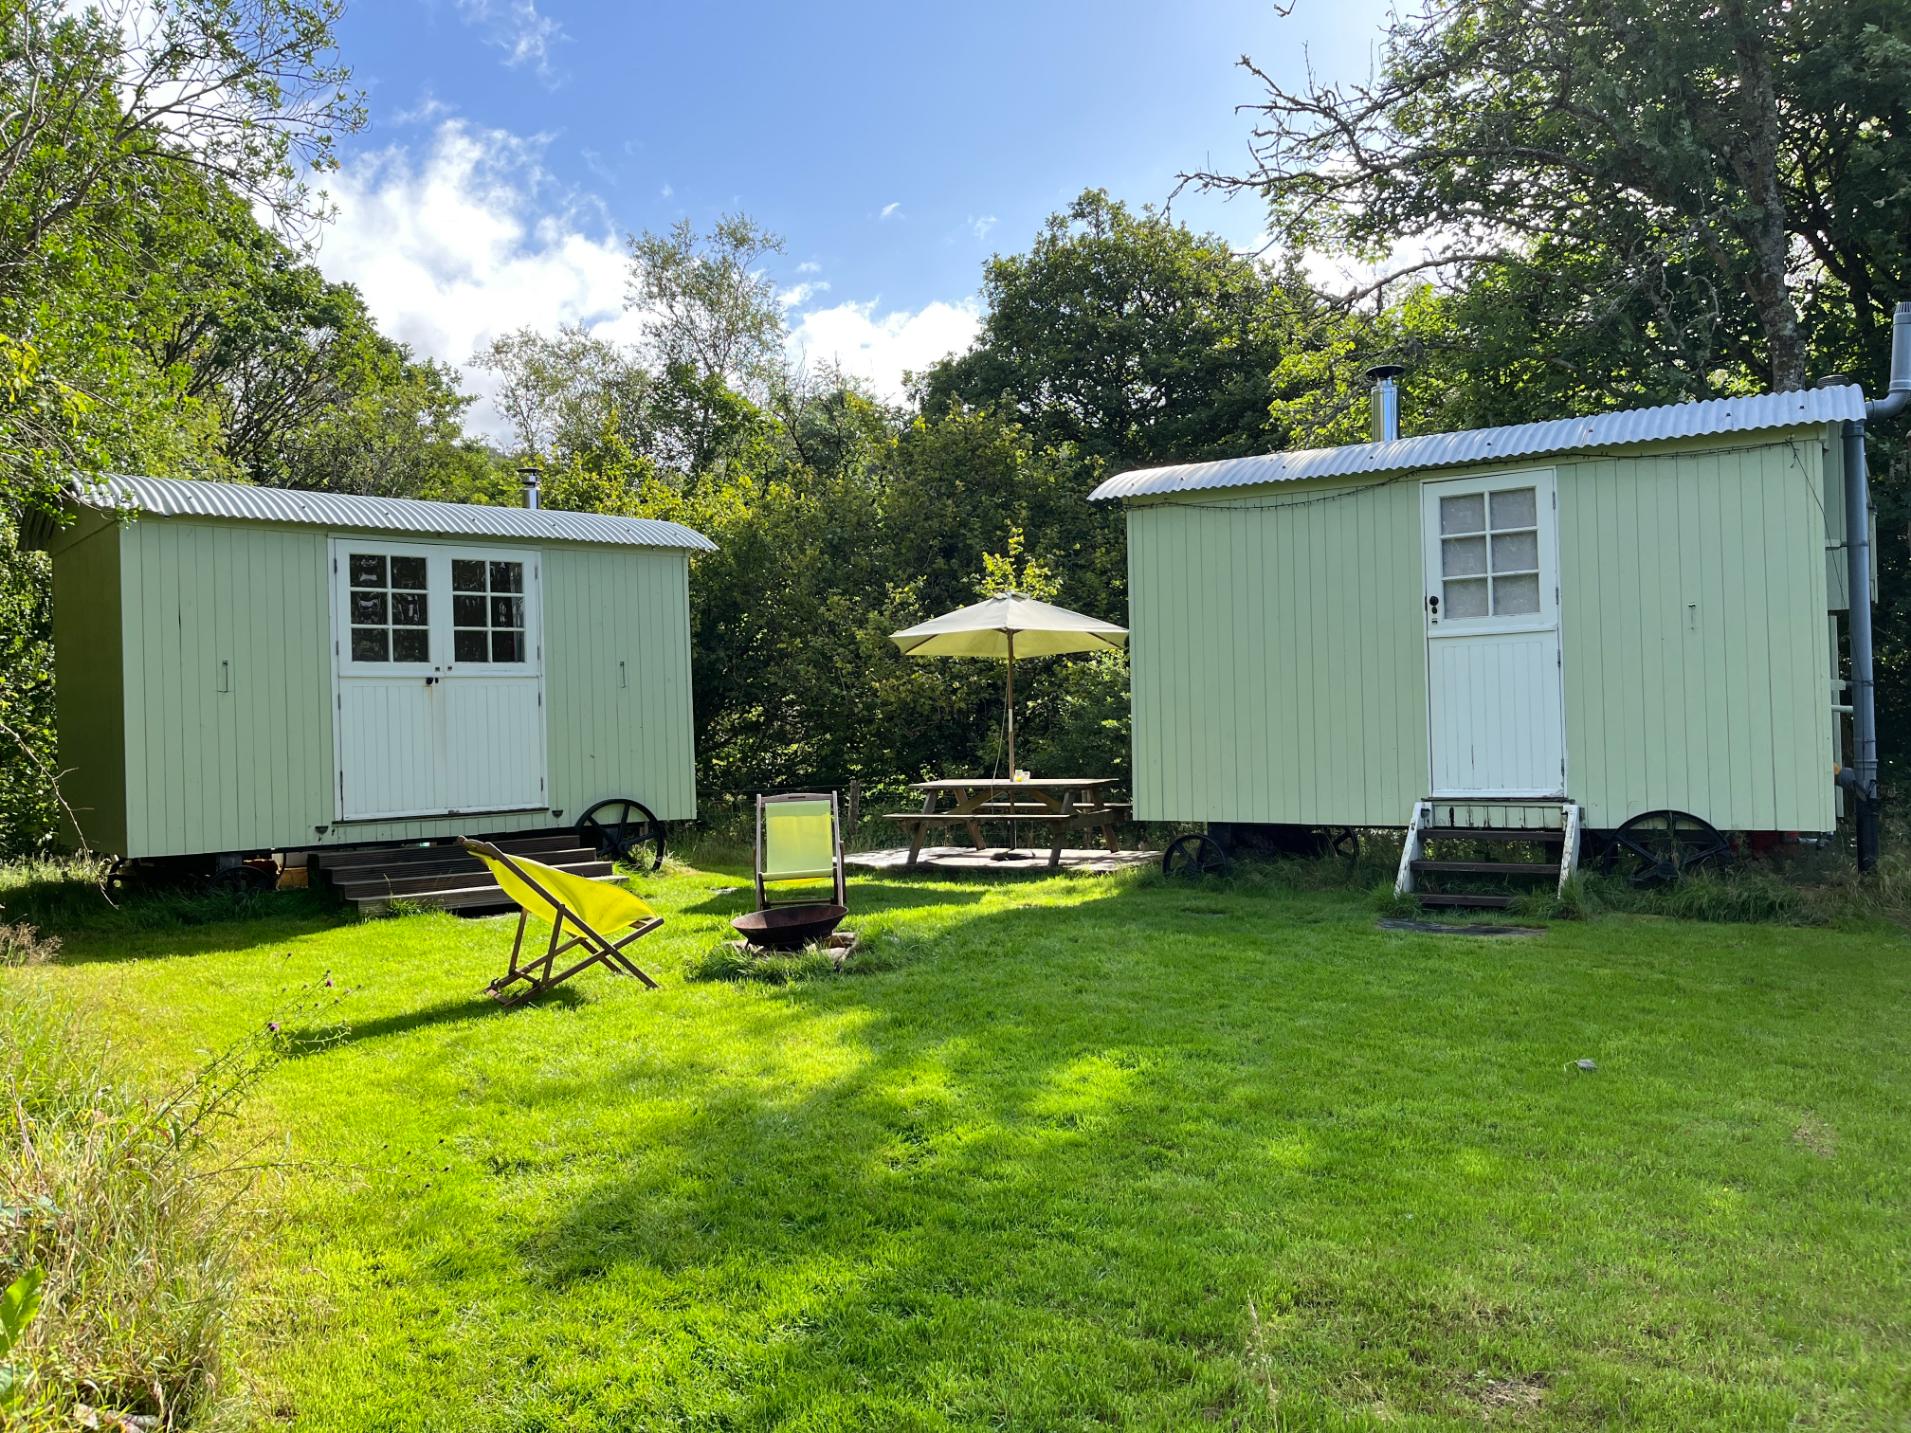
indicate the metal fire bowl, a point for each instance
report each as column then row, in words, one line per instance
column 789, row 927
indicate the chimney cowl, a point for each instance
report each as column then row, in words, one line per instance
column 529, row 478
column 1385, row 399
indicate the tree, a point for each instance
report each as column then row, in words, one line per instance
column 558, row 392
column 1730, row 165
column 1126, row 335
column 715, row 323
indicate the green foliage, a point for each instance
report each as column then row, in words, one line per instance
column 1127, row 336
column 1015, row 571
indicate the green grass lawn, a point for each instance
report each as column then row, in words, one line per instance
column 1078, row 1151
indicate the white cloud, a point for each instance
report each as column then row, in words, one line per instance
column 798, row 294
column 880, row 347
column 809, row 266
column 470, row 238
column 891, row 210
column 666, row 191
column 526, row 35
column 465, row 235
column 980, row 227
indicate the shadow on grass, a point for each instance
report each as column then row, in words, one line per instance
column 299, row 1041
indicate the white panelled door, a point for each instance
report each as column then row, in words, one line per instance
column 438, row 655
column 1495, row 713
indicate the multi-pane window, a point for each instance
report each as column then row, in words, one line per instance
column 487, row 611
column 1489, row 554
column 390, row 611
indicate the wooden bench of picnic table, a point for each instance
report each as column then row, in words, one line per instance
column 1090, row 815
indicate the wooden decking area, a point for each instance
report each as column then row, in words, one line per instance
column 968, row 858
column 442, row 874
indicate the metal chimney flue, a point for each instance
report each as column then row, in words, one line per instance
column 530, row 478
column 1900, row 381
column 1385, row 398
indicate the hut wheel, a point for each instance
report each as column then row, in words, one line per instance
column 1196, row 854
column 1657, row 846
column 624, row 829
column 1344, row 841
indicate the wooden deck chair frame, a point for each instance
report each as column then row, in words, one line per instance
column 536, row 974
column 763, row 901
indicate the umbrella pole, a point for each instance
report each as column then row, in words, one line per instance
column 1011, row 706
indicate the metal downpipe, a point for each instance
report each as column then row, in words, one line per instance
column 1864, row 713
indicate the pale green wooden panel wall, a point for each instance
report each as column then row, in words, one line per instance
column 211, row 605
column 1279, row 666
column 619, row 731
column 1693, row 599
column 87, row 688
column 1279, row 653
column 228, row 687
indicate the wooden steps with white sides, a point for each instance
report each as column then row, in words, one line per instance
column 444, row 876
column 1549, row 829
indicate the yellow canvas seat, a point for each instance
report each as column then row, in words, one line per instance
column 589, row 909
column 798, row 838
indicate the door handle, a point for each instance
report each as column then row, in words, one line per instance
column 431, row 681
column 1433, row 606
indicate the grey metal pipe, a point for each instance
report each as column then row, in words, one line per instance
column 1864, row 712
column 1384, row 423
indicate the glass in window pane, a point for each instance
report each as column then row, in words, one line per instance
column 1517, row 508
column 507, row 577
column 507, row 611
column 467, row 611
column 468, row 646
column 1515, row 596
column 368, row 569
column 368, row 607
column 507, row 647
column 1464, row 599
column 408, row 609
column 410, row 644
column 368, row 645
column 1466, row 513
column 467, row 575
column 1516, row 552
column 1463, row 557
column 408, row 573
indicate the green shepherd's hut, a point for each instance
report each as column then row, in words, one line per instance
column 242, row 670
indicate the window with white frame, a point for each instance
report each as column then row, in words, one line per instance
column 1489, row 554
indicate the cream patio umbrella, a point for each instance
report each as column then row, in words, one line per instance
column 1005, row 627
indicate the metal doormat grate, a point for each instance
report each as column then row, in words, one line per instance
column 1446, row 928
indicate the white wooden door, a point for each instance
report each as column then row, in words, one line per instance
column 1495, row 713
column 440, row 689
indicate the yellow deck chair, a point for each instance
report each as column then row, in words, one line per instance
column 587, row 908
column 798, row 838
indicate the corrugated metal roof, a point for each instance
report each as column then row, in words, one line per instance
column 175, row 497
column 1710, row 417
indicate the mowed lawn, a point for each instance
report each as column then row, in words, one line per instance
column 1082, row 1152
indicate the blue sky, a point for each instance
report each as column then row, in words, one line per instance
column 513, row 143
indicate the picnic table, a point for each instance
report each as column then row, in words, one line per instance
column 1064, row 804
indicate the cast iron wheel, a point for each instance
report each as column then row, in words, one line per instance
column 241, row 880
column 1193, row 855
column 1344, row 842
column 1659, row 846
column 624, row 830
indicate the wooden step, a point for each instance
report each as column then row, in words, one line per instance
column 475, row 897
column 529, row 845
column 1488, row 868
column 1539, row 835
column 407, row 881
column 1483, row 899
